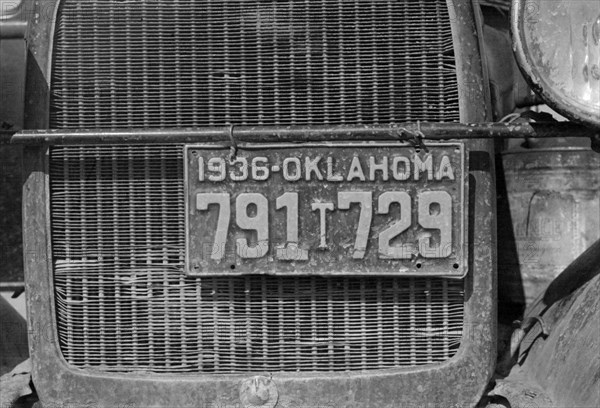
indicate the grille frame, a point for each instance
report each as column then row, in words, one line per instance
column 461, row 379
column 216, row 325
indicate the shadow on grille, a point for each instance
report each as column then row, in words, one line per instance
column 123, row 303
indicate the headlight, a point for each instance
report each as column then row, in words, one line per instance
column 557, row 45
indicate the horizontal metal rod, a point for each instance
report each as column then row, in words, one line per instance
column 411, row 131
column 11, row 285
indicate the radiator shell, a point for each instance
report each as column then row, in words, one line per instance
column 460, row 380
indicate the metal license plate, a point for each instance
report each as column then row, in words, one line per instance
column 326, row 209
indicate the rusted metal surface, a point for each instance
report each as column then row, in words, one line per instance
column 410, row 132
column 460, row 381
column 554, row 202
column 566, row 362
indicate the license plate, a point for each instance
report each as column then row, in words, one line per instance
column 326, row 209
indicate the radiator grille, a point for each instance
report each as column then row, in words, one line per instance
column 202, row 63
column 123, row 303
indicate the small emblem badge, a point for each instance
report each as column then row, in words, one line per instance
column 258, row 392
